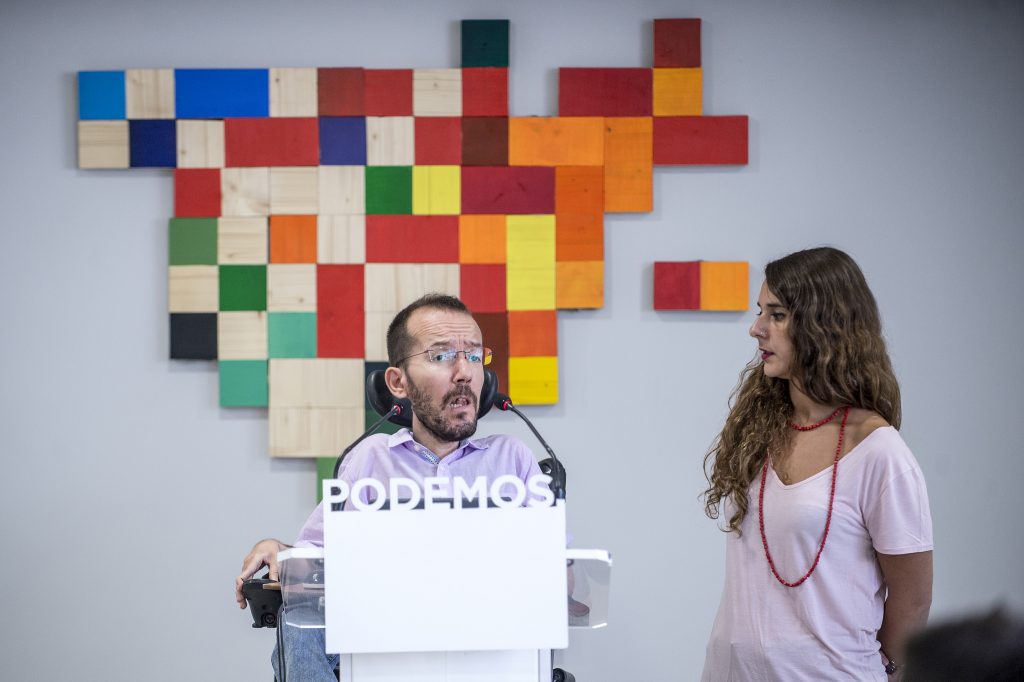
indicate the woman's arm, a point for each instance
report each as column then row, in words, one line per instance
column 908, row 578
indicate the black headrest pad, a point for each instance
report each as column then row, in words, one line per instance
column 381, row 400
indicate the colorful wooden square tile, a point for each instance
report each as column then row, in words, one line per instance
column 312, row 204
column 340, row 92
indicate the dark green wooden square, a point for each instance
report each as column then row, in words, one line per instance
column 193, row 336
column 193, row 241
column 243, row 383
column 243, row 287
column 485, row 42
column 291, row 335
column 388, row 190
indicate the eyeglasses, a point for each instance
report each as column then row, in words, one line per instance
column 448, row 356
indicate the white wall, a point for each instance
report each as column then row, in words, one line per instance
column 128, row 498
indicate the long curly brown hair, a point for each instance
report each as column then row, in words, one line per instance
column 840, row 358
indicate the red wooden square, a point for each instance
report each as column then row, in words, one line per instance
column 700, row 140
column 412, row 239
column 520, row 190
column 494, row 327
column 532, row 333
column 677, row 285
column 272, row 141
column 485, row 91
column 197, row 192
column 388, row 92
column 485, row 141
column 605, row 92
column 482, row 287
column 340, row 316
column 438, row 141
column 340, row 92
column 676, row 43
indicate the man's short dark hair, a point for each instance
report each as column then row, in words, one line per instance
column 400, row 340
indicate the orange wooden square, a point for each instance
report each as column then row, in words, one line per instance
column 532, row 333
column 482, row 239
column 556, row 141
column 628, row 164
column 293, row 239
column 579, row 213
column 677, row 92
column 724, row 285
column 579, row 284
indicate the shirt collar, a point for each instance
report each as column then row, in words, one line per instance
column 403, row 438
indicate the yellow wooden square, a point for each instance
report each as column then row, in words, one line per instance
column 389, row 287
column 193, row 289
column 316, row 382
column 242, row 240
column 678, row 92
column 103, row 144
column 341, row 239
column 149, row 93
column 482, row 239
column 390, row 140
column 293, row 92
column 294, row 191
column 200, row 144
column 245, row 191
column 533, row 381
column 530, row 265
column 724, row 285
column 342, row 190
column 313, row 431
column 242, row 335
column 437, row 92
column 291, row 288
column 579, row 284
column 436, row 190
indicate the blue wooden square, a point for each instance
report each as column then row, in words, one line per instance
column 343, row 141
column 221, row 93
column 152, row 143
column 101, row 95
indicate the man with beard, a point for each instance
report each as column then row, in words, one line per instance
column 437, row 357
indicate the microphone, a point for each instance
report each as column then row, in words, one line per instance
column 396, row 409
column 554, row 469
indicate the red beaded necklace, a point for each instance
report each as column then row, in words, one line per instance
column 831, row 497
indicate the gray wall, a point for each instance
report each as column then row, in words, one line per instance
column 128, row 498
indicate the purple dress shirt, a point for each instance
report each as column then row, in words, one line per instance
column 383, row 457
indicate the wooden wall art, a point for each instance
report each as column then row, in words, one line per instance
column 311, row 204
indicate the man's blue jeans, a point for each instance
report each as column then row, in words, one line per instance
column 304, row 657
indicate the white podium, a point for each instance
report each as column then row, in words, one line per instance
column 444, row 595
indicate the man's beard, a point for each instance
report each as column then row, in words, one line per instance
column 432, row 417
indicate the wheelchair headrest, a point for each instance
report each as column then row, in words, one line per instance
column 382, row 400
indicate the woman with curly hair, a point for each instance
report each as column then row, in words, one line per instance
column 829, row 548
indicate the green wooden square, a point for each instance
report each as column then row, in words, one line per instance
column 485, row 42
column 193, row 241
column 292, row 335
column 243, row 287
column 388, row 190
column 324, row 472
column 243, row 383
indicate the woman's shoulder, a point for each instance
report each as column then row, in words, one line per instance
column 862, row 423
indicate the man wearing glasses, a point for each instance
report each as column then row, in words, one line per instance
column 437, row 357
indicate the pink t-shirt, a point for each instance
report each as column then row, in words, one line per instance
column 826, row 628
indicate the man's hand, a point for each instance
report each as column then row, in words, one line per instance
column 264, row 553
